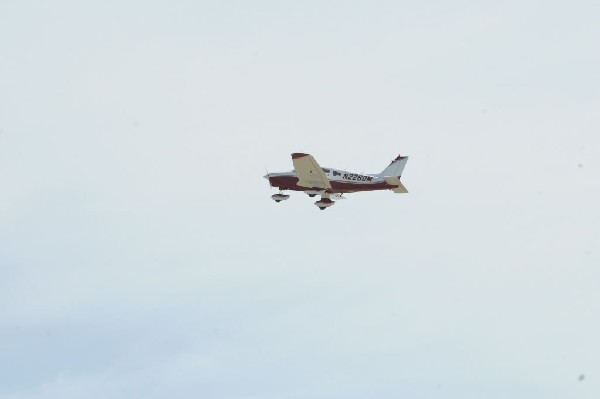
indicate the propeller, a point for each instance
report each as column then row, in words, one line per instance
column 267, row 177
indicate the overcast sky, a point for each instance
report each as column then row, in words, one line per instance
column 141, row 255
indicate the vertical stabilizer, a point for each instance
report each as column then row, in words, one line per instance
column 396, row 167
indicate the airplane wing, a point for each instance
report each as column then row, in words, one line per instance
column 310, row 174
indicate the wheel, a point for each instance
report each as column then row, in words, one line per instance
column 277, row 200
column 311, row 195
column 322, row 208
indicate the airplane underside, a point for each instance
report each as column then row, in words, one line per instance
column 337, row 189
column 291, row 183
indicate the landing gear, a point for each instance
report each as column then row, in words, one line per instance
column 324, row 202
column 313, row 193
column 279, row 197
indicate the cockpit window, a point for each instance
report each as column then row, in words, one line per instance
column 336, row 173
column 326, row 170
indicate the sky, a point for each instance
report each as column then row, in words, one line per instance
column 141, row 255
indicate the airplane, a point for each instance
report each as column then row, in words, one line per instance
column 331, row 183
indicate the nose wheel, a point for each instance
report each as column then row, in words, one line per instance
column 280, row 197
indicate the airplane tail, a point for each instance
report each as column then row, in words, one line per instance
column 392, row 174
column 395, row 168
column 395, row 181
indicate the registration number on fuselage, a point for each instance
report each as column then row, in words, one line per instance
column 355, row 177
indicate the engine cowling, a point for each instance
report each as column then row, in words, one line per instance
column 324, row 203
column 279, row 197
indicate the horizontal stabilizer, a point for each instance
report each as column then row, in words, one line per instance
column 400, row 189
column 395, row 181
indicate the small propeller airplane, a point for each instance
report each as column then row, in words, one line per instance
column 331, row 183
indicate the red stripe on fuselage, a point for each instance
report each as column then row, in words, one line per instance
column 290, row 183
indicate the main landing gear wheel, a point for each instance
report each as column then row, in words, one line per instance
column 324, row 203
column 311, row 195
